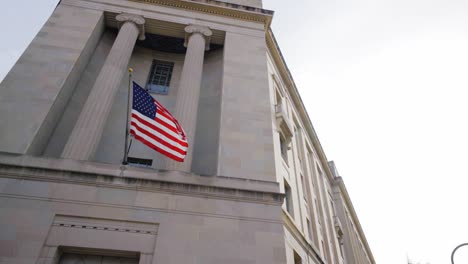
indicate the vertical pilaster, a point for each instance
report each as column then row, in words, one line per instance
column 88, row 129
column 197, row 41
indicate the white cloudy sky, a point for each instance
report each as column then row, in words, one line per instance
column 384, row 82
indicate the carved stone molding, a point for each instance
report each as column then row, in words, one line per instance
column 219, row 8
column 139, row 21
column 105, row 225
column 197, row 29
column 98, row 236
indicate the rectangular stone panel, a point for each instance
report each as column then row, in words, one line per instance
column 246, row 138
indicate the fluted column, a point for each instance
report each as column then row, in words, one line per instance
column 197, row 41
column 88, row 129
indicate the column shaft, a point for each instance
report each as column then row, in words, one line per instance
column 87, row 132
column 188, row 95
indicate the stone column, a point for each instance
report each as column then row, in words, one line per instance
column 197, row 40
column 88, row 129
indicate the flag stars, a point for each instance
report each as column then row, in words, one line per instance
column 143, row 102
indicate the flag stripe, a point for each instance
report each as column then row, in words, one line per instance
column 167, row 123
column 166, row 118
column 172, row 121
column 160, row 150
column 155, row 127
column 152, row 125
column 169, row 144
column 171, row 118
column 153, row 143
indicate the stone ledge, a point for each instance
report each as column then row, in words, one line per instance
column 126, row 177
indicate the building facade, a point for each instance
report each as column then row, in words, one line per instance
column 256, row 186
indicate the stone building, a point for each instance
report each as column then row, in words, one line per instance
column 256, row 186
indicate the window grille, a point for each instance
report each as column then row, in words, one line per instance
column 160, row 77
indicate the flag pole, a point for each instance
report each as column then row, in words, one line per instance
column 127, row 126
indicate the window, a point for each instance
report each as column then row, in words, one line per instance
column 317, row 208
column 319, row 171
column 341, row 250
column 332, row 204
column 309, row 228
column 299, row 146
column 323, row 250
column 138, row 162
column 284, row 148
column 311, row 168
column 94, row 258
column 297, row 258
column 279, row 98
column 288, row 199
column 160, row 77
column 304, row 188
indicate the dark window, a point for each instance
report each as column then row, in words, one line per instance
column 140, row 162
column 305, row 192
column 297, row 258
column 309, row 228
column 288, row 199
column 284, row 148
column 160, row 77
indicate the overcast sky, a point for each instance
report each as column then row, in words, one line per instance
column 384, row 82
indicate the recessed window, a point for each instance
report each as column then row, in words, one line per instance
column 305, row 193
column 323, row 250
column 297, row 258
column 284, row 148
column 309, row 228
column 138, row 162
column 288, row 199
column 318, row 209
column 160, row 77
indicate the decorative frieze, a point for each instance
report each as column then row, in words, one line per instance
column 219, row 8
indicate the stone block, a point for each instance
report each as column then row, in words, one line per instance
column 245, row 152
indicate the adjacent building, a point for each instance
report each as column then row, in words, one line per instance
column 256, row 186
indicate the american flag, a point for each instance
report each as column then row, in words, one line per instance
column 155, row 127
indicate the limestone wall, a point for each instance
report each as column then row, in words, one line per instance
column 111, row 146
column 43, row 208
column 246, row 134
column 35, row 92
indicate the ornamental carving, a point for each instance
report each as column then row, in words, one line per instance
column 139, row 21
column 197, row 29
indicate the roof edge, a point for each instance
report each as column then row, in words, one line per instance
column 339, row 181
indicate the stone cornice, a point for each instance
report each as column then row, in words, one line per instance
column 347, row 199
column 150, row 180
column 219, row 8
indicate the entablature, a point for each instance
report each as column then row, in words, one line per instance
column 135, row 178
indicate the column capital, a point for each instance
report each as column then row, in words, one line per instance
column 139, row 21
column 197, row 29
